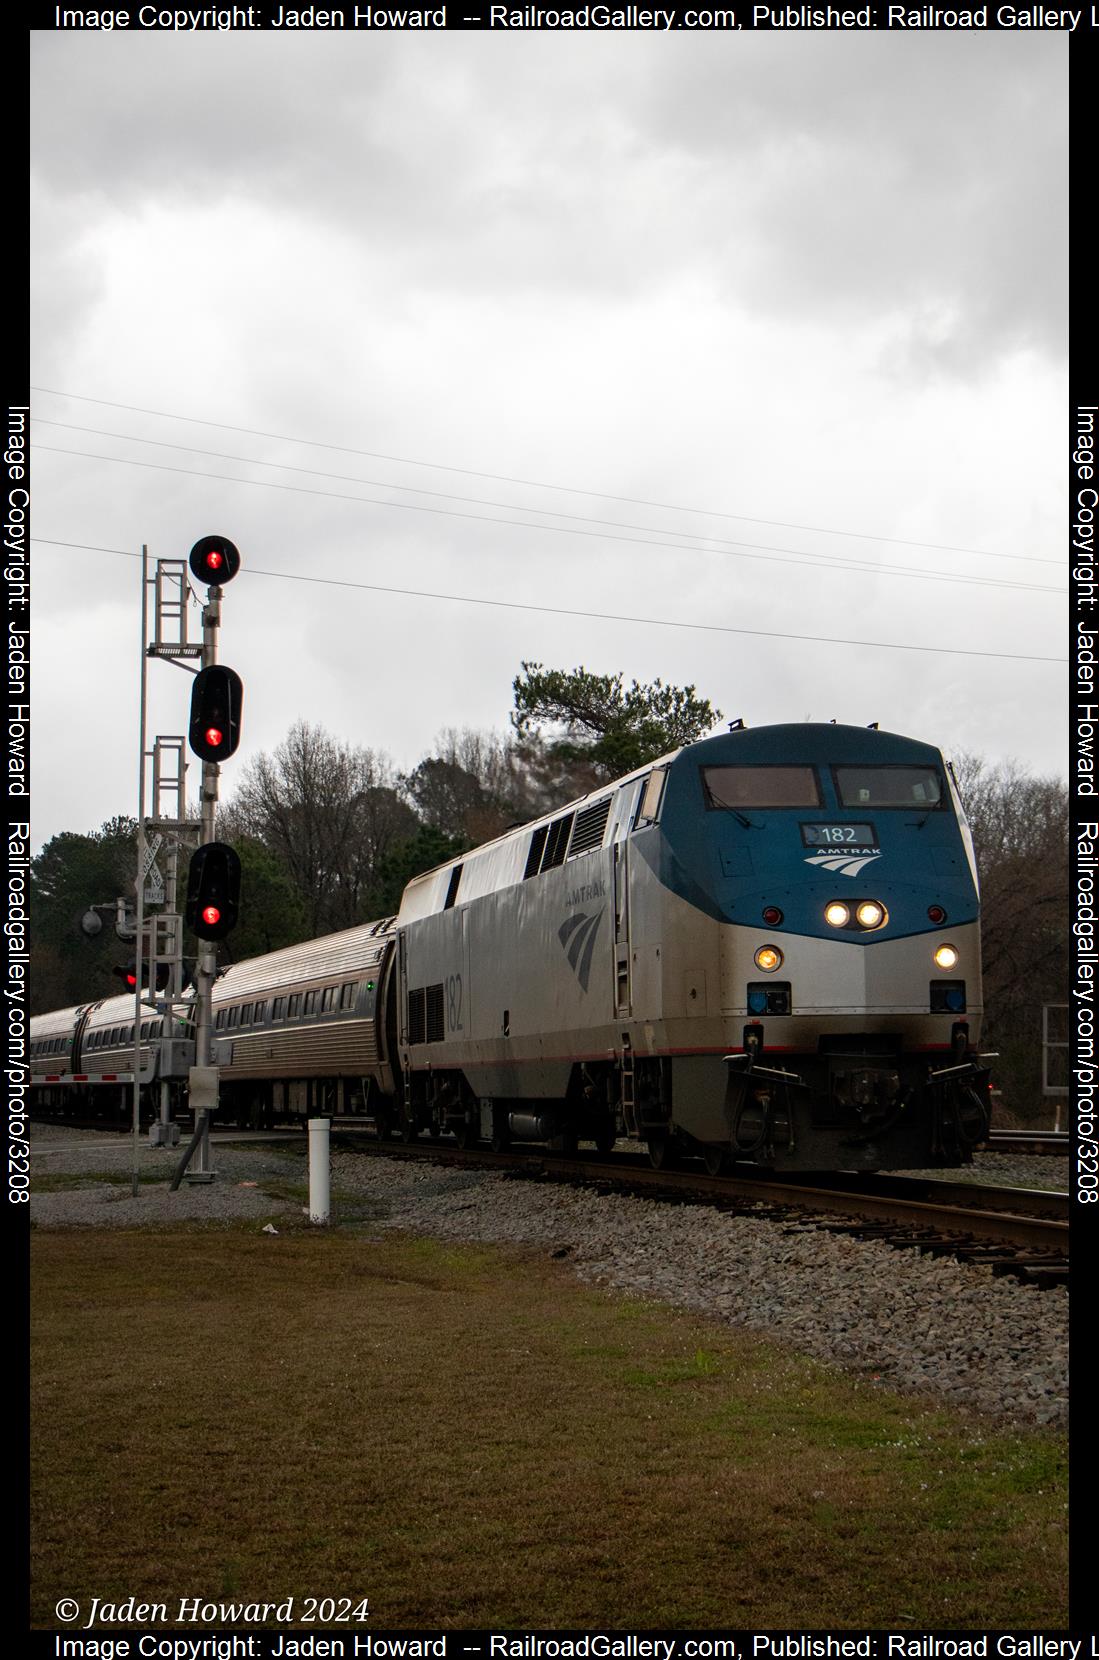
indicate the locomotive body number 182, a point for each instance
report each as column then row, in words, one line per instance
column 839, row 835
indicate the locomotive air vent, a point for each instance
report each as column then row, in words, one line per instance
column 557, row 841
column 435, row 1027
column 589, row 827
column 416, row 1020
column 534, row 856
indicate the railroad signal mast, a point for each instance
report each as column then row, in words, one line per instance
column 213, row 735
column 213, row 877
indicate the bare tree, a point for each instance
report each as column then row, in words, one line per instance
column 1019, row 825
column 330, row 812
column 476, row 784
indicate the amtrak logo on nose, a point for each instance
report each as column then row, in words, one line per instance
column 842, row 863
column 577, row 935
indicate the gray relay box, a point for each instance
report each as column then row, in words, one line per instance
column 202, row 1088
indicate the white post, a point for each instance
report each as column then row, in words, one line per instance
column 319, row 1183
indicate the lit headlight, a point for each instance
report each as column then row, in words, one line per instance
column 768, row 958
column 870, row 914
column 837, row 915
column 946, row 956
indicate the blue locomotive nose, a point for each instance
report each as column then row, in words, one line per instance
column 848, row 834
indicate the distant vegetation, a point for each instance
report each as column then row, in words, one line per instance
column 329, row 833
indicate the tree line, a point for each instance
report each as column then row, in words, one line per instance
column 329, row 833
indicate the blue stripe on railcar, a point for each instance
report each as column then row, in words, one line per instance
column 732, row 864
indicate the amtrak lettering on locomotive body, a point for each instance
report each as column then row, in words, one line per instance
column 584, row 895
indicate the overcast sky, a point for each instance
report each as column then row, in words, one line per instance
column 807, row 292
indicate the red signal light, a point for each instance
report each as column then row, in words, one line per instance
column 214, row 737
column 213, row 891
column 214, row 559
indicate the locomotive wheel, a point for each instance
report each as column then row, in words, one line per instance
column 662, row 1152
column 716, row 1160
column 465, row 1133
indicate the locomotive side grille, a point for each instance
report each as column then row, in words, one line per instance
column 417, row 1024
column 589, row 827
column 534, row 856
column 557, row 841
column 435, row 1027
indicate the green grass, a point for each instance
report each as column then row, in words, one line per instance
column 469, row 1438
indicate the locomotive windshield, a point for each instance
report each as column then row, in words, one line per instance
column 733, row 787
column 889, row 786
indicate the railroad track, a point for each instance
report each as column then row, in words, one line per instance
column 1027, row 1141
column 1011, row 1230
column 1014, row 1231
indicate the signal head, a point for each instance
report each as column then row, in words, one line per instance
column 213, row 891
column 214, row 560
column 216, row 698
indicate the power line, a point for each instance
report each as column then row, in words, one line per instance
column 536, row 484
column 598, row 616
column 562, row 530
column 798, row 555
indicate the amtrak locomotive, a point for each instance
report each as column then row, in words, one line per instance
column 762, row 947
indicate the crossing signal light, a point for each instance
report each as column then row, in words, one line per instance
column 214, row 559
column 216, row 699
column 213, row 891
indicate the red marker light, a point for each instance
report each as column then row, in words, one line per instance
column 214, row 560
column 211, row 916
column 213, row 736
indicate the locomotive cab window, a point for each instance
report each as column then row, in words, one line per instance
column 919, row 787
column 731, row 788
column 649, row 805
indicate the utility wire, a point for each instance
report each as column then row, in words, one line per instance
column 523, row 524
column 598, row 616
column 852, row 562
column 536, row 484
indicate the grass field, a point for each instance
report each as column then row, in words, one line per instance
column 468, row 1437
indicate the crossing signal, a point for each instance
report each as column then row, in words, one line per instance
column 213, row 891
column 216, row 699
column 214, row 559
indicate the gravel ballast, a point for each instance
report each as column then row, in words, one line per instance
column 908, row 1321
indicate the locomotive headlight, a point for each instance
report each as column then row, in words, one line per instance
column 837, row 915
column 870, row 914
column 946, row 956
column 768, row 958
